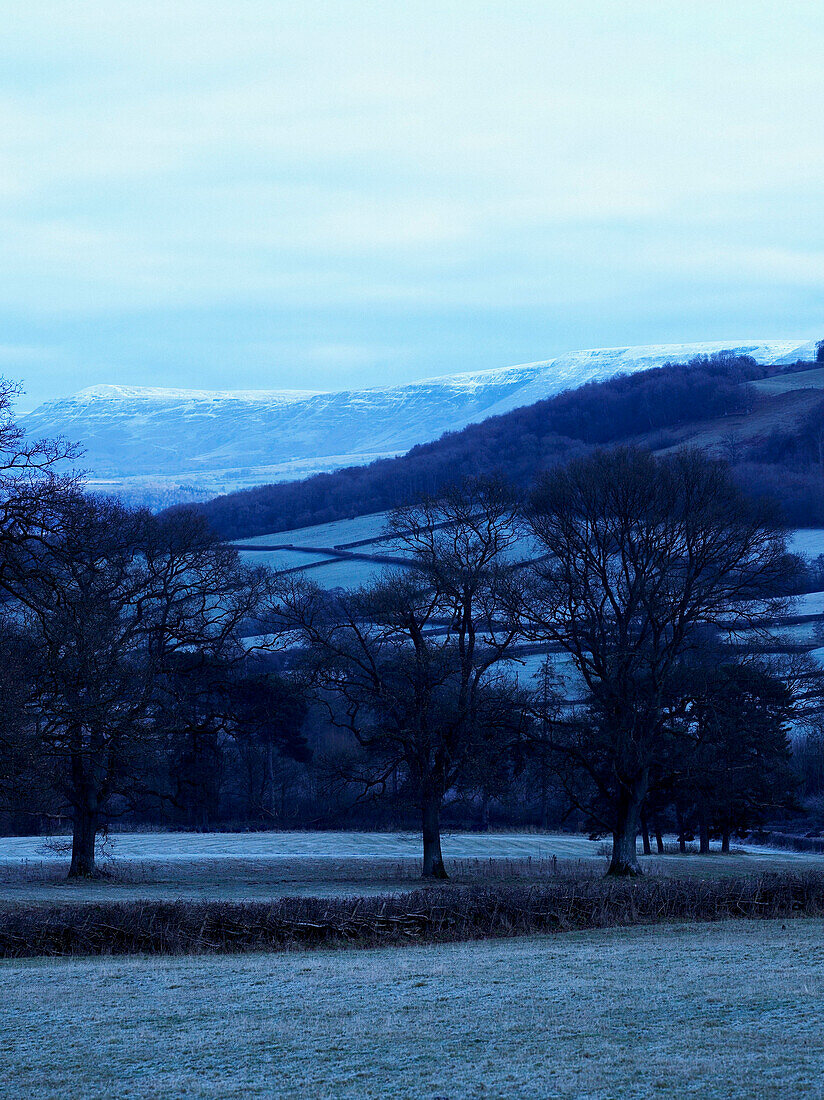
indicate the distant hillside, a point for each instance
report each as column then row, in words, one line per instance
column 765, row 420
column 158, row 446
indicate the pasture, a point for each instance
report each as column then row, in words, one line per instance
column 785, row 383
column 323, row 550
column 255, row 866
column 719, row 1011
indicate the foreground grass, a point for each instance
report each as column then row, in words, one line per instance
column 724, row 1010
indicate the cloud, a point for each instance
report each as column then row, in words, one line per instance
column 430, row 159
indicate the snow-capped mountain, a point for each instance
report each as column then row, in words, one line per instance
column 167, row 444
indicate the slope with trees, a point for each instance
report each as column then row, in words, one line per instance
column 711, row 401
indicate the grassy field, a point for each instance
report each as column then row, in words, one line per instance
column 254, row 866
column 341, row 532
column 367, row 535
column 364, row 535
column 808, row 541
column 783, row 383
column 724, row 1010
column 312, row 845
column 283, row 559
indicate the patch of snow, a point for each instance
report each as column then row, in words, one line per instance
column 808, row 541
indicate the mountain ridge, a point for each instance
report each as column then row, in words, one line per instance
column 164, row 445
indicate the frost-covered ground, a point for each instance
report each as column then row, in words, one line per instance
column 339, row 533
column 728, row 1010
column 808, row 541
column 361, row 535
column 319, row 845
column 283, row 559
column 245, row 866
column 236, row 866
column 274, row 846
column 366, row 535
column 811, row 603
column 341, row 573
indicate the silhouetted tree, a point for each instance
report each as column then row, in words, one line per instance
column 411, row 665
column 644, row 554
column 109, row 600
column 32, row 481
column 737, row 768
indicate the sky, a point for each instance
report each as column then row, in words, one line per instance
column 336, row 194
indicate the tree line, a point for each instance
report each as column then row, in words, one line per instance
column 131, row 686
column 519, row 444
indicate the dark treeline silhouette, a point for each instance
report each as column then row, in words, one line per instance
column 518, row 444
column 130, row 694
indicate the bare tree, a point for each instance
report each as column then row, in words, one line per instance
column 412, row 665
column 644, row 555
column 109, row 600
column 33, row 475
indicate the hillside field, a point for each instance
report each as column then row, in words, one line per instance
column 321, row 552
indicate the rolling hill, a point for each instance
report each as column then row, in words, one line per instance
column 160, row 446
column 766, row 420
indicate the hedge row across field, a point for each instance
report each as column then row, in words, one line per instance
column 434, row 915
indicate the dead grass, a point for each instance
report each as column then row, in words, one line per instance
column 437, row 914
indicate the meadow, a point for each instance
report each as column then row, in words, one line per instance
column 721, row 1010
column 366, row 535
column 728, row 1008
column 255, row 866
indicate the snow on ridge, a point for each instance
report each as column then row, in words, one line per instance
column 162, row 393
column 598, row 364
column 767, row 351
column 211, row 441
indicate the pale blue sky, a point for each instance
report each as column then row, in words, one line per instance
column 330, row 194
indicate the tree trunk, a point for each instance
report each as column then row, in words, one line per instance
column 659, row 837
column 725, row 841
column 645, row 835
column 485, row 813
column 703, row 835
column 84, row 834
column 625, row 834
column 682, row 830
column 432, row 859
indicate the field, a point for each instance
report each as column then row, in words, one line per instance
column 784, row 383
column 808, row 541
column 340, row 533
column 328, row 566
column 254, row 866
column 329, row 545
column 722, row 1010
